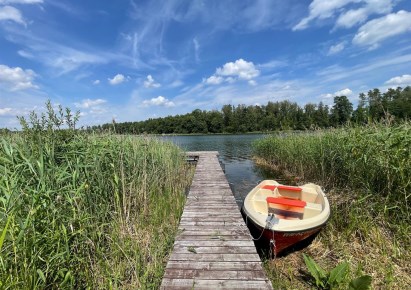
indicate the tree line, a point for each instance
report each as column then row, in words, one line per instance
column 394, row 104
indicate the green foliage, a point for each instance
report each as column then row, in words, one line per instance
column 336, row 277
column 276, row 116
column 4, row 232
column 82, row 210
column 360, row 283
column 319, row 275
column 341, row 111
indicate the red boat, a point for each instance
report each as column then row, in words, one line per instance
column 281, row 216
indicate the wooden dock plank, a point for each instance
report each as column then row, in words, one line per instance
column 226, row 266
column 215, row 243
column 215, row 257
column 211, row 250
column 214, row 248
column 214, row 274
column 198, row 284
column 213, row 232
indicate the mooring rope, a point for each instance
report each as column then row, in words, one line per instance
column 246, row 223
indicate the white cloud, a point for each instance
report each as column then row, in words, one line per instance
column 240, row 68
column 214, row 80
column 25, row 54
column 70, row 59
column 345, row 92
column 159, row 101
column 334, row 49
column 11, row 13
column 375, row 31
column 117, row 79
column 88, row 103
column 96, row 82
column 16, row 78
column 272, row 64
column 322, row 9
column 404, row 80
column 252, row 82
column 176, row 83
column 327, row 96
column 5, row 111
column 150, row 83
column 196, row 49
column 20, row 1
column 232, row 71
column 353, row 17
column 56, row 55
column 230, row 80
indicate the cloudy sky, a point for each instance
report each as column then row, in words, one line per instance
column 132, row 60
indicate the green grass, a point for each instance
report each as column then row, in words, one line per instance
column 87, row 211
column 366, row 173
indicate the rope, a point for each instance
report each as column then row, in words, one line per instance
column 246, row 222
column 272, row 247
column 268, row 225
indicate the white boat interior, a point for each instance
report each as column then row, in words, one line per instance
column 287, row 208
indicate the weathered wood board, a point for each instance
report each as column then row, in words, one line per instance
column 214, row 249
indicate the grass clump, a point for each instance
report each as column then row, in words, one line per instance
column 367, row 175
column 86, row 211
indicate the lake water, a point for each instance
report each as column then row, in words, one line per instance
column 235, row 153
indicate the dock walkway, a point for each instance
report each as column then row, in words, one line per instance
column 214, row 249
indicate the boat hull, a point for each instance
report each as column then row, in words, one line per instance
column 278, row 241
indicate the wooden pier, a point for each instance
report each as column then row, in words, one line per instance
column 214, row 249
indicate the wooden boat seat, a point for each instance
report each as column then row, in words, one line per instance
column 285, row 190
column 286, row 202
column 305, row 194
column 285, row 187
column 286, row 208
column 292, row 208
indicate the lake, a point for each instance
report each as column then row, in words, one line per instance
column 235, row 154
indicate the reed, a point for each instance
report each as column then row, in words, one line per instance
column 373, row 160
column 366, row 173
column 87, row 211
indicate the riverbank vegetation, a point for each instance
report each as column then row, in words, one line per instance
column 276, row 116
column 366, row 174
column 86, row 211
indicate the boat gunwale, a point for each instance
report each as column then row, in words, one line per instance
column 283, row 231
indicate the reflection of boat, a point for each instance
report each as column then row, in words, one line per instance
column 281, row 216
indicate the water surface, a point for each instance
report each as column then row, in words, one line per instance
column 235, row 153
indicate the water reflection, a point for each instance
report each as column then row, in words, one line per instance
column 235, row 153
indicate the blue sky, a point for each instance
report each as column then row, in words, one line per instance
column 132, row 60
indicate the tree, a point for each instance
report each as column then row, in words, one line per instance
column 228, row 118
column 341, row 111
column 284, row 115
column 360, row 115
column 309, row 115
column 375, row 103
column 322, row 118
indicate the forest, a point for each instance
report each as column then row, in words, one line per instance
column 393, row 105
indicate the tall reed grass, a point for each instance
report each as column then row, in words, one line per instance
column 366, row 172
column 87, row 211
column 373, row 160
